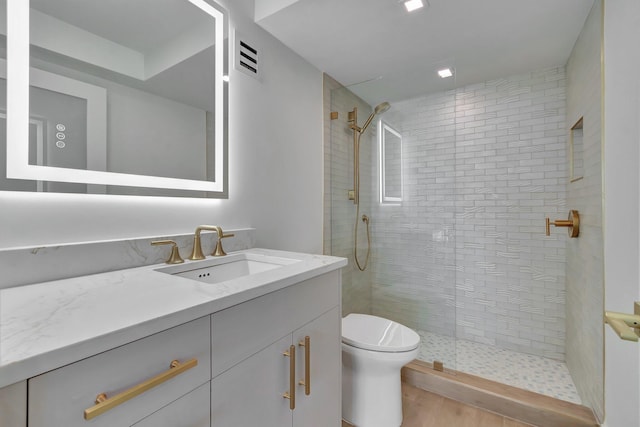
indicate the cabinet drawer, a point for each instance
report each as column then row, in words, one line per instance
column 243, row 330
column 60, row 397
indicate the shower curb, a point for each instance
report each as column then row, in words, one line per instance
column 512, row 402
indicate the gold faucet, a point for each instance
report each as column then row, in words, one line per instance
column 174, row 258
column 197, row 246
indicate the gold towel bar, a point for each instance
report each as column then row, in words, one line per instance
column 104, row 403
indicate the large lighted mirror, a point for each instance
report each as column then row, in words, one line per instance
column 110, row 96
column 390, row 154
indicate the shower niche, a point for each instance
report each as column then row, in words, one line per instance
column 576, row 151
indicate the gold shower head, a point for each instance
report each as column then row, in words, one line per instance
column 380, row 108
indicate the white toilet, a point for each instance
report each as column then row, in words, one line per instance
column 373, row 352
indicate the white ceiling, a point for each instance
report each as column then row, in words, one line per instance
column 399, row 53
column 142, row 25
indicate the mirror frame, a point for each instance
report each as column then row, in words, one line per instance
column 18, row 63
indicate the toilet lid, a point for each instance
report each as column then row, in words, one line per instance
column 377, row 334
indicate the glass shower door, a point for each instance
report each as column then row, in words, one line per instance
column 407, row 192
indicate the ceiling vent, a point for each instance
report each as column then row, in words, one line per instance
column 246, row 56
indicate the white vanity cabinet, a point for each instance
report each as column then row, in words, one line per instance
column 61, row 397
column 322, row 406
column 13, row 405
column 252, row 373
column 227, row 368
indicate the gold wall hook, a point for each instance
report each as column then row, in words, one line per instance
column 175, row 257
column 572, row 222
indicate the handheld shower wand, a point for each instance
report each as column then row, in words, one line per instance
column 355, row 194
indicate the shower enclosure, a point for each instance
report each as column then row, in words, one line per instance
column 456, row 186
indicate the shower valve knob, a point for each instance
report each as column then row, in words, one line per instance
column 572, row 223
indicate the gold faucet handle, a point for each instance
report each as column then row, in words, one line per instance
column 175, row 257
column 219, row 251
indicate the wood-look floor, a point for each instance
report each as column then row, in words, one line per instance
column 425, row 409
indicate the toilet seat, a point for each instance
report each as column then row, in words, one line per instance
column 377, row 334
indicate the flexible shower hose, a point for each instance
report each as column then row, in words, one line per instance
column 365, row 219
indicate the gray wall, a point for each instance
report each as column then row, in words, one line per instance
column 621, row 203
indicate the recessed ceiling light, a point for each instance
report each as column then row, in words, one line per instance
column 445, row 73
column 412, row 5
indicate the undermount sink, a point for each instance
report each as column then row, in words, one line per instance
column 229, row 267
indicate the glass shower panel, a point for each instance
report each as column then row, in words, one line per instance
column 356, row 284
column 411, row 276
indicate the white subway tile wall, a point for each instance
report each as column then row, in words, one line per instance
column 585, row 260
column 466, row 251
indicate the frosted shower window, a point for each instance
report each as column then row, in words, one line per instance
column 390, row 154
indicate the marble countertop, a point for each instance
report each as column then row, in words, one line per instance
column 48, row 325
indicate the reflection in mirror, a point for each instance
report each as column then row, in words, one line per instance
column 121, row 95
column 390, row 154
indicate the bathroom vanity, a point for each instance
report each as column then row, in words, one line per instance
column 161, row 349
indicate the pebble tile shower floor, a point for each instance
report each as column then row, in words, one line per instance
column 533, row 373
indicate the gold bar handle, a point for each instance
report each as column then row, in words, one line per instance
column 306, row 382
column 625, row 325
column 104, row 403
column 291, row 394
